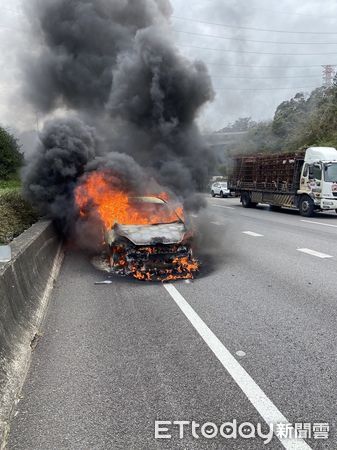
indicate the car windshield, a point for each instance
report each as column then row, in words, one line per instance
column 330, row 172
column 154, row 211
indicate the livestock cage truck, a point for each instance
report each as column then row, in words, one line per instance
column 306, row 180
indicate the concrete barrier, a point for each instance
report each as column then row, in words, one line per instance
column 25, row 284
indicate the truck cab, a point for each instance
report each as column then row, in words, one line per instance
column 318, row 182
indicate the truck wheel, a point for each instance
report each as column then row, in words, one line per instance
column 212, row 194
column 245, row 200
column 306, row 206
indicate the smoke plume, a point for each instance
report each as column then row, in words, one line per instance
column 128, row 98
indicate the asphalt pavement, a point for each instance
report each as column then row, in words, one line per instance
column 253, row 341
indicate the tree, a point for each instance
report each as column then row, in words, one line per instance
column 288, row 114
column 10, row 156
column 223, row 170
column 303, row 121
column 241, row 124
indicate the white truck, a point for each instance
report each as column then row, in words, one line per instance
column 304, row 180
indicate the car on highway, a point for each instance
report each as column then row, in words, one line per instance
column 220, row 188
column 156, row 249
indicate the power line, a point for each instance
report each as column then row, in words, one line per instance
column 298, row 89
column 273, row 11
column 237, row 27
column 257, row 53
column 262, row 66
column 252, row 40
column 317, row 77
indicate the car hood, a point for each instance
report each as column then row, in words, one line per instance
column 171, row 233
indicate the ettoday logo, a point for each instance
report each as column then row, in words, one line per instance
column 165, row 429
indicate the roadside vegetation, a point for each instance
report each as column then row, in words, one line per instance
column 303, row 121
column 16, row 215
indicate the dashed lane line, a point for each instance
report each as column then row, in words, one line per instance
column 217, row 223
column 308, row 251
column 252, row 233
column 222, row 206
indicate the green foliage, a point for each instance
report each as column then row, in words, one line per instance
column 300, row 122
column 10, row 184
column 222, row 170
column 16, row 215
column 10, row 156
column 241, row 124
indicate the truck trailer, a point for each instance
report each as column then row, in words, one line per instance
column 305, row 180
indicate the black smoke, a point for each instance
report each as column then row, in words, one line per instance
column 51, row 173
column 132, row 99
column 79, row 44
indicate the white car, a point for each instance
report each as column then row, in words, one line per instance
column 220, row 188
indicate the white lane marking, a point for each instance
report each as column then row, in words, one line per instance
column 308, row 251
column 217, row 223
column 194, row 215
column 251, row 233
column 320, row 223
column 221, row 206
column 269, row 412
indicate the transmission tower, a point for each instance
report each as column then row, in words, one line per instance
column 328, row 75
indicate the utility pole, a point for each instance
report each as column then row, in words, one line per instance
column 328, row 75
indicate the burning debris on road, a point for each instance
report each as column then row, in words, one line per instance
column 120, row 159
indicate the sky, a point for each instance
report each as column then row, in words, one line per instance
column 259, row 53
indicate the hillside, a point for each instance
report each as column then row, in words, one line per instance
column 303, row 121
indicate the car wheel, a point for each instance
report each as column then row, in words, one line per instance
column 245, row 200
column 212, row 194
column 306, row 206
column 221, row 194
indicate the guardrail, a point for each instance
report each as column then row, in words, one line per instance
column 25, row 284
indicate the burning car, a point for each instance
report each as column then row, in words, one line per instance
column 155, row 251
column 146, row 237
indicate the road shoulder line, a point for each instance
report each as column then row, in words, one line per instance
column 319, row 223
column 268, row 411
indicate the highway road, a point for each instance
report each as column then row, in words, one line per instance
column 253, row 341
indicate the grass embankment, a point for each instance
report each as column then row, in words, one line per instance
column 16, row 215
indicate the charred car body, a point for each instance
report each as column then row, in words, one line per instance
column 159, row 250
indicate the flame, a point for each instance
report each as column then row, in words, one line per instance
column 182, row 268
column 100, row 192
column 186, row 265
